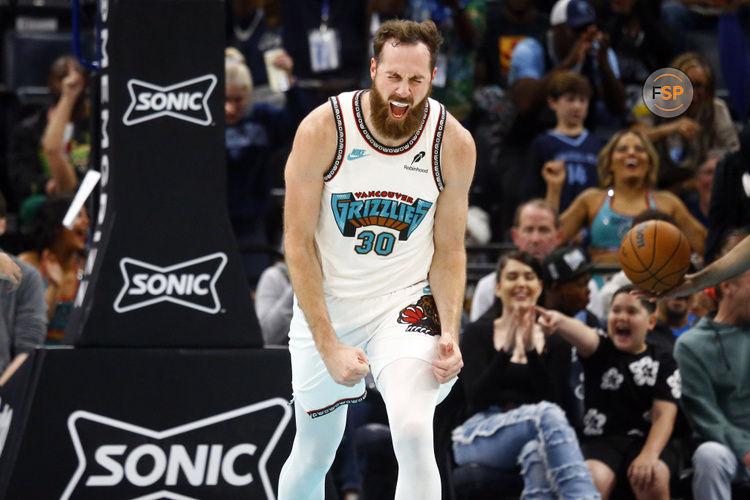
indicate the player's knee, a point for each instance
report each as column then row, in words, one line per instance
column 319, row 463
column 412, row 433
column 314, row 451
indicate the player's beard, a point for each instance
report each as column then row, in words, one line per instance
column 385, row 125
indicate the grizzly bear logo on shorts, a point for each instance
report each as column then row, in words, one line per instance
column 421, row 317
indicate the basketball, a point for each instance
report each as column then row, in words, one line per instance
column 655, row 255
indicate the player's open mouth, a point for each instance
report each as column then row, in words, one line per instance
column 398, row 109
column 631, row 163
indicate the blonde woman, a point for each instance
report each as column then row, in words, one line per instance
column 628, row 167
column 253, row 133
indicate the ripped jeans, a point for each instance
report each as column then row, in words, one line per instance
column 537, row 437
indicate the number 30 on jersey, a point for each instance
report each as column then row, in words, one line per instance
column 381, row 243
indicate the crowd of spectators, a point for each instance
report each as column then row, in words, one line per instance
column 569, row 159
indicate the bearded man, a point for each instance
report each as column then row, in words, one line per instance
column 376, row 200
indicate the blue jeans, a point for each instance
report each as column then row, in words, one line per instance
column 716, row 468
column 537, row 437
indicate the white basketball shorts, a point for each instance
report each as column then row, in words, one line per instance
column 403, row 324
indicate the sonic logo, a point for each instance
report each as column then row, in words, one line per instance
column 383, row 210
column 190, row 284
column 214, row 457
column 187, row 101
column 421, row 317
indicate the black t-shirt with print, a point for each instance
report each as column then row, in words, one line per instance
column 620, row 388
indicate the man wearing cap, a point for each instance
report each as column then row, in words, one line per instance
column 567, row 271
column 573, row 43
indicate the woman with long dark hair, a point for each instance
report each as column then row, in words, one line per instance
column 512, row 377
column 59, row 254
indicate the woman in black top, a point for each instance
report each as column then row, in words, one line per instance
column 510, row 378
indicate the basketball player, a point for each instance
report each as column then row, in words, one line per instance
column 376, row 201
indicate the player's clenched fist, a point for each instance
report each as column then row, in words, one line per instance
column 346, row 364
column 449, row 361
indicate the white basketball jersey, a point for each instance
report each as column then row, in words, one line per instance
column 375, row 229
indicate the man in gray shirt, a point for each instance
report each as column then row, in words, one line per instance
column 23, row 310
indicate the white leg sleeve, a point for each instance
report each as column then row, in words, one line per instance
column 410, row 392
column 313, row 451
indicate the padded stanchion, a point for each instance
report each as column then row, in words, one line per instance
column 146, row 423
column 164, row 268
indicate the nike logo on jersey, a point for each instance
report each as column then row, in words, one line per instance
column 356, row 154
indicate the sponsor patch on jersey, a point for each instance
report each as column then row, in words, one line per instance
column 414, row 165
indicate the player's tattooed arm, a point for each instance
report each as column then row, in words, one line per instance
column 448, row 268
column 312, row 154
